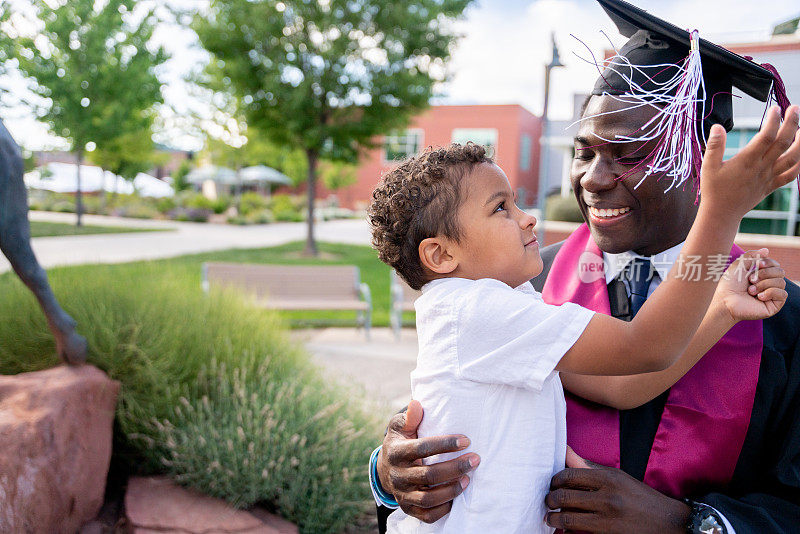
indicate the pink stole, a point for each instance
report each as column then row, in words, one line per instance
column 707, row 414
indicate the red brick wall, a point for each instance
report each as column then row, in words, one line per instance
column 437, row 124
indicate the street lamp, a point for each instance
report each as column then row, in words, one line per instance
column 544, row 142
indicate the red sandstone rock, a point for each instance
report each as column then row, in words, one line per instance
column 158, row 505
column 55, row 447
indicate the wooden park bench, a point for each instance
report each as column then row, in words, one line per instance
column 402, row 299
column 296, row 287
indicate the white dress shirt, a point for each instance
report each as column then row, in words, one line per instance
column 661, row 262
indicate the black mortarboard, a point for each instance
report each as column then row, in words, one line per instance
column 654, row 42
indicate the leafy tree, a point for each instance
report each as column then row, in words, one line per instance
column 28, row 160
column 179, row 181
column 327, row 76
column 125, row 155
column 6, row 41
column 257, row 150
column 337, row 174
column 92, row 64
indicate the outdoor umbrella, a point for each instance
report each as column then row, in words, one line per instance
column 263, row 174
column 220, row 175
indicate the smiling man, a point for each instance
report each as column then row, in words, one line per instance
column 625, row 218
column 718, row 452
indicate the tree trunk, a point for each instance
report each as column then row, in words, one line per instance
column 311, row 244
column 78, row 199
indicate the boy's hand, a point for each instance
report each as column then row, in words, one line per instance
column 770, row 160
column 753, row 287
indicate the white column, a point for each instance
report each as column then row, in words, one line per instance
column 791, row 219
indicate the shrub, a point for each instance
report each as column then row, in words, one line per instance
column 255, row 217
column 560, row 208
column 251, row 202
column 198, row 201
column 198, row 214
column 182, row 198
column 92, row 204
column 165, row 204
column 207, row 381
column 190, row 214
column 221, row 204
column 264, row 216
column 284, row 208
column 136, row 211
column 179, row 182
column 290, row 443
column 63, row 206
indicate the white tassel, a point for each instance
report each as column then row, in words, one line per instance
column 678, row 154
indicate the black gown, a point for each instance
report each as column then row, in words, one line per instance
column 764, row 493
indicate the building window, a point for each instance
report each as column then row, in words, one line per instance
column 525, row 153
column 737, row 139
column 480, row 136
column 401, row 145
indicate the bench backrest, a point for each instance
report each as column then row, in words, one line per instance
column 319, row 282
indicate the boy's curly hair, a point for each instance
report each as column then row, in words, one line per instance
column 417, row 200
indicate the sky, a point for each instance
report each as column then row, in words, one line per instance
column 500, row 58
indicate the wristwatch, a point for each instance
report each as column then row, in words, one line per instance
column 704, row 520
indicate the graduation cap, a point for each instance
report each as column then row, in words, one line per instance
column 688, row 79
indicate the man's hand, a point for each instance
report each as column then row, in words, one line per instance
column 422, row 491
column 606, row 500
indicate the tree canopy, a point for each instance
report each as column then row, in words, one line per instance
column 327, row 76
column 94, row 68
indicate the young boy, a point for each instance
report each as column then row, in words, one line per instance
column 490, row 354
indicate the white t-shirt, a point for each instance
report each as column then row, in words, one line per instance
column 486, row 369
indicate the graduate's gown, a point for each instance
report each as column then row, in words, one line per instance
column 764, row 493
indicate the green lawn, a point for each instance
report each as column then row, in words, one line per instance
column 46, row 229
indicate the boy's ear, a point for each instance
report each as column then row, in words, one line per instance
column 436, row 255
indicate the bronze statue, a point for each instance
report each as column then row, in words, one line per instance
column 15, row 242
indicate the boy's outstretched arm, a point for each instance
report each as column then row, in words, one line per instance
column 671, row 316
column 753, row 288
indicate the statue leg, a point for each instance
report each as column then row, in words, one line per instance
column 15, row 243
column 70, row 345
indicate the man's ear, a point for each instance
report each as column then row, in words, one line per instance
column 436, row 254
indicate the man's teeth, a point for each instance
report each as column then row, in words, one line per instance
column 608, row 212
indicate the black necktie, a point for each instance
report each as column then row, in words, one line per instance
column 637, row 427
column 639, row 274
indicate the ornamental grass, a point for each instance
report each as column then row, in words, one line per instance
column 213, row 392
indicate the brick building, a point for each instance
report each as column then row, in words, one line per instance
column 511, row 132
column 778, row 213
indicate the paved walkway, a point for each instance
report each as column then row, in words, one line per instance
column 184, row 238
column 380, row 366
